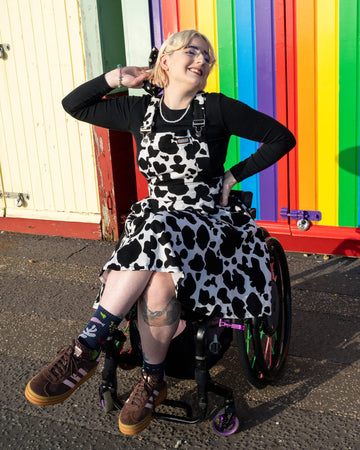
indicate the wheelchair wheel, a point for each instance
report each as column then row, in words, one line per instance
column 107, row 401
column 225, row 424
column 264, row 342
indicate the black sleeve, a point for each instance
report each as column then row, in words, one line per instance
column 86, row 103
column 243, row 121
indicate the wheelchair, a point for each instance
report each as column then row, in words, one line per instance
column 262, row 343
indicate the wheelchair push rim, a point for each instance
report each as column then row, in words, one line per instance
column 264, row 342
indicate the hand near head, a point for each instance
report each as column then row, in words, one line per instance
column 228, row 183
column 131, row 77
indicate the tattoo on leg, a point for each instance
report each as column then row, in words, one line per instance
column 168, row 316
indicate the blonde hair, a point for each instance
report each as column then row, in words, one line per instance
column 177, row 41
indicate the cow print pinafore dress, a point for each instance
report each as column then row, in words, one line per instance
column 217, row 255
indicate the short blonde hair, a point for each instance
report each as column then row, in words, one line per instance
column 177, row 41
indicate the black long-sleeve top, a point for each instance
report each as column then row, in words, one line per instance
column 224, row 117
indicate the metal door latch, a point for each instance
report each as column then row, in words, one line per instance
column 303, row 217
column 4, row 48
column 19, row 197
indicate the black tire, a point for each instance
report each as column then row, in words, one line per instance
column 264, row 343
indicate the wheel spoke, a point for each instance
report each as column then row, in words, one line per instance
column 264, row 347
column 253, row 362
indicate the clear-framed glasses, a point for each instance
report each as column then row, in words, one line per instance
column 194, row 51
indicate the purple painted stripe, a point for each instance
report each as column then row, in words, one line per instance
column 156, row 23
column 266, row 97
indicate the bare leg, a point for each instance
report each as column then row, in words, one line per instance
column 158, row 317
column 122, row 289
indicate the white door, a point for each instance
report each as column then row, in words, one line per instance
column 47, row 165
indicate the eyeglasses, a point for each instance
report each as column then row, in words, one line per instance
column 193, row 51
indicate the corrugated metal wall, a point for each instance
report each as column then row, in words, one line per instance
column 250, row 55
column 44, row 153
column 328, row 39
column 297, row 61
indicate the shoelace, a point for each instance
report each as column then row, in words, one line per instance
column 143, row 390
column 65, row 361
column 140, row 393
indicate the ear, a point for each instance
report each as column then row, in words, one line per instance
column 164, row 62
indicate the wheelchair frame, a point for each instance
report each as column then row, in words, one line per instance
column 262, row 343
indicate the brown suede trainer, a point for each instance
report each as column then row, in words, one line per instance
column 56, row 382
column 149, row 392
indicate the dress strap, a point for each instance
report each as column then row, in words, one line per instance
column 199, row 114
column 148, row 122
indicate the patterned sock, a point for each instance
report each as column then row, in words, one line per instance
column 101, row 325
column 153, row 369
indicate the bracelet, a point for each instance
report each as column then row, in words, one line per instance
column 120, row 76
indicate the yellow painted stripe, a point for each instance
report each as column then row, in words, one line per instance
column 206, row 20
column 187, row 10
column 328, row 100
column 307, row 168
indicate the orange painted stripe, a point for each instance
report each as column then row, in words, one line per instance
column 307, row 119
column 187, row 13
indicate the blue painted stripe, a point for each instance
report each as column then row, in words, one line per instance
column 266, row 97
column 247, row 88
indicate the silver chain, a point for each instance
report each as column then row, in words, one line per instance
column 172, row 121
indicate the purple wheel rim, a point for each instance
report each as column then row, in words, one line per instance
column 224, row 426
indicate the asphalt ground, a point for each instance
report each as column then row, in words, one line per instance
column 47, row 287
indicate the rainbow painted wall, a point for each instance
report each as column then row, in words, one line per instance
column 297, row 61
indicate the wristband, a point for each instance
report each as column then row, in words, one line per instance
column 120, row 76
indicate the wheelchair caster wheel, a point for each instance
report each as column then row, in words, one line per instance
column 225, row 424
column 107, row 401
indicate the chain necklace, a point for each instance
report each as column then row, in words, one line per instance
column 171, row 121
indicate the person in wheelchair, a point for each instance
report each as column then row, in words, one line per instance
column 189, row 243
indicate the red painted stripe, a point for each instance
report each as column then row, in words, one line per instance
column 141, row 183
column 170, row 16
column 317, row 239
column 105, row 178
column 78, row 230
column 281, row 100
column 292, row 106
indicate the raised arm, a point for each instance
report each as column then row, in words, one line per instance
column 87, row 102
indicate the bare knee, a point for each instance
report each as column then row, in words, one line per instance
column 158, row 305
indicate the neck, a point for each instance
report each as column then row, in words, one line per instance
column 176, row 99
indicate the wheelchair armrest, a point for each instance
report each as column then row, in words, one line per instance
column 244, row 196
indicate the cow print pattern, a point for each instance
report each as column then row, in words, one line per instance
column 218, row 253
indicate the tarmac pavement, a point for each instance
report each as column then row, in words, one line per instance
column 47, row 287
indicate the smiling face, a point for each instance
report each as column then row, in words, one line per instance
column 188, row 67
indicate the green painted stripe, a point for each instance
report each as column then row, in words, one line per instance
column 349, row 112
column 111, row 34
column 225, row 14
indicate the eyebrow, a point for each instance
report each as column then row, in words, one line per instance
column 196, row 48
